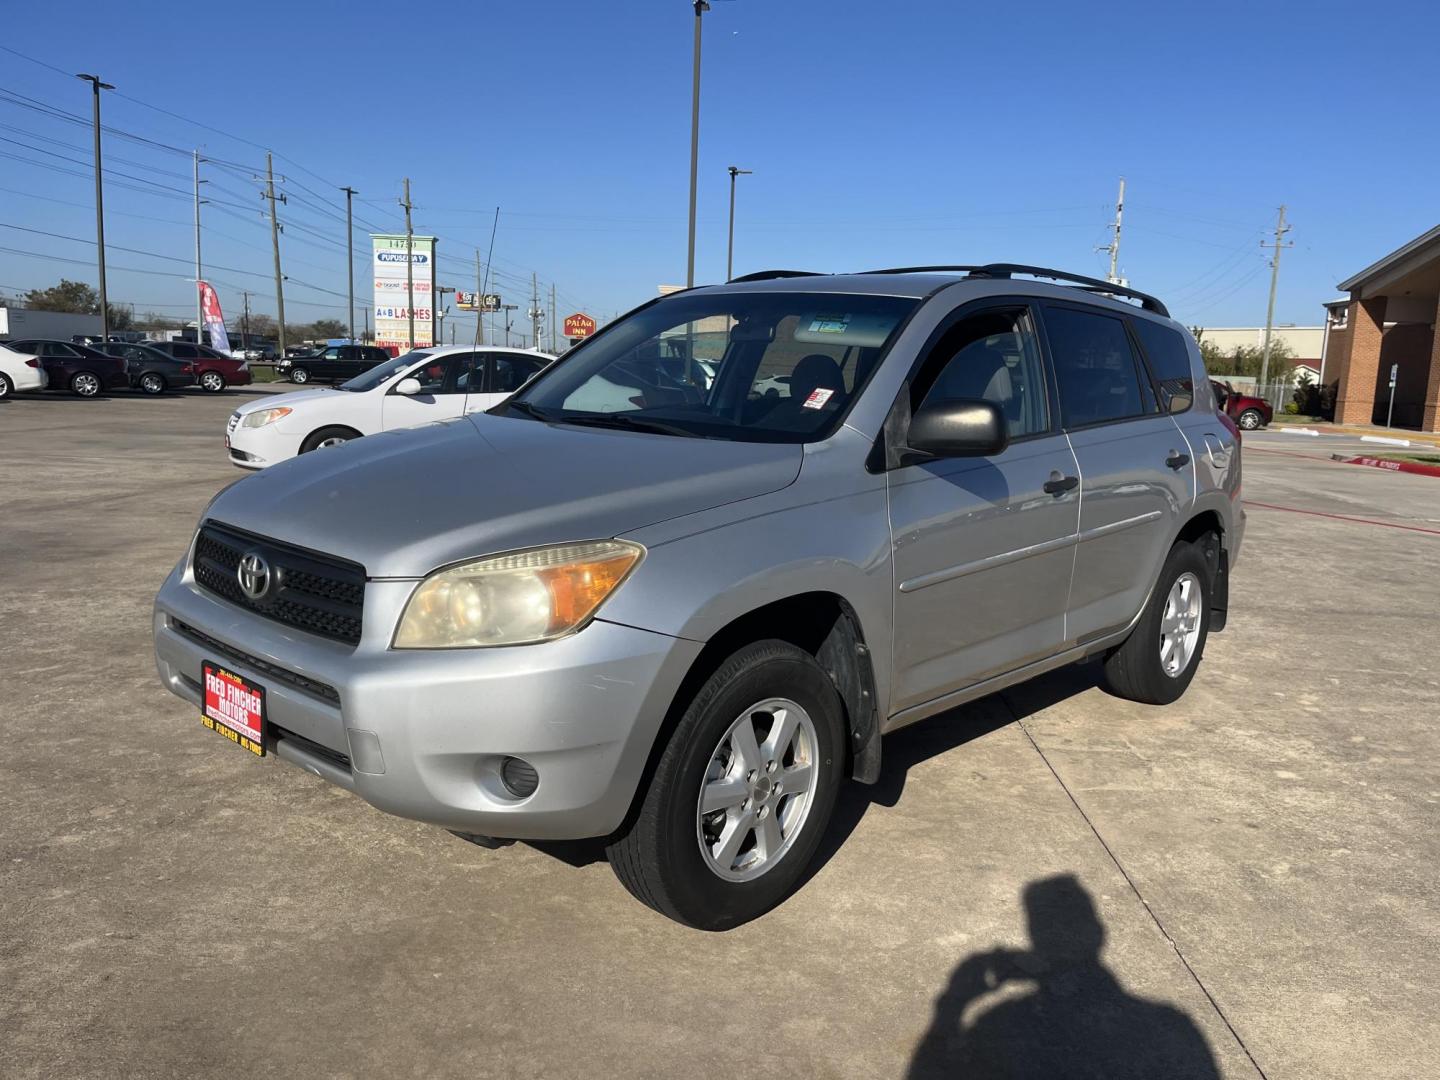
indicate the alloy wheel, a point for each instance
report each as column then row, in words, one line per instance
column 85, row 384
column 1180, row 625
column 212, row 381
column 758, row 789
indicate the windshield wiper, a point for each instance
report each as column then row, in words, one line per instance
column 631, row 423
column 529, row 410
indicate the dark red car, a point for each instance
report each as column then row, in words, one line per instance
column 77, row 368
column 1248, row 412
column 214, row 369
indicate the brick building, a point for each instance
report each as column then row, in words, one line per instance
column 1389, row 320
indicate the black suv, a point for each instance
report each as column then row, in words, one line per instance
column 335, row 363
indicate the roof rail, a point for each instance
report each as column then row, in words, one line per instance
column 921, row 269
column 1005, row 270
column 768, row 275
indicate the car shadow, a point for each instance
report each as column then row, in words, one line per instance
column 901, row 751
column 1054, row 1009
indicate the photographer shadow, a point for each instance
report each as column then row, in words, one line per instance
column 1057, row 1011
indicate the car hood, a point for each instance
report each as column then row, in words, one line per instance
column 402, row 503
column 298, row 397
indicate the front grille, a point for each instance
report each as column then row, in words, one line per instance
column 315, row 593
column 313, row 687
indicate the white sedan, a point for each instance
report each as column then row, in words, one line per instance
column 417, row 388
column 20, row 371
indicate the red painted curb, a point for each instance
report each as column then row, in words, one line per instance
column 1393, row 466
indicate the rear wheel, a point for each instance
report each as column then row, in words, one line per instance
column 212, row 381
column 151, row 383
column 742, row 792
column 1250, row 419
column 6, row 386
column 299, row 375
column 1157, row 661
column 328, row 436
column 85, row 384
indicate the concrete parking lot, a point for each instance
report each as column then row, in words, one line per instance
column 1051, row 882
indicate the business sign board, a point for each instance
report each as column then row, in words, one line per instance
column 579, row 326
column 469, row 301
column 393, row 305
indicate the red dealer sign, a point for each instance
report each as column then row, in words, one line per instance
column 579, row 326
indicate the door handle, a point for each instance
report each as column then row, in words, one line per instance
column 1177, row 460
column 1058, row 485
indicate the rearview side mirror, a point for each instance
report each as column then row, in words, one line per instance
column 959, row 427
column 409, row 386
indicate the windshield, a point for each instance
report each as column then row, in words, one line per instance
column 747, row 366
column 384, row 372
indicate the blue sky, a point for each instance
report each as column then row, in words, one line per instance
column 880, row 134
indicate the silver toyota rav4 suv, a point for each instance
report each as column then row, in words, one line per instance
column 673, row 592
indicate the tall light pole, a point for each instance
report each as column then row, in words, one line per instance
column 199, row 274
column 350, row 193
column 96, row 85
column 730, row 248
column 701, row 6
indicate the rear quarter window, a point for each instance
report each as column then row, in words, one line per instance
column 1169, row 360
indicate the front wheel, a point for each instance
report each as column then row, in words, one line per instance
column 151, row 383
column 212, row 381
column 1157, row 661
column 299, row 376
column 1250, row 419
column 742, row 792
column 85, row 384
column 330, row 436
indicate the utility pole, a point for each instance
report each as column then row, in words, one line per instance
column 536, row 313
column 199, row 274
column 730, row 247
column 701, row 6
column 479, row 303
column 1114, row 246
column 552, row 318
column 96, row 85
column 275, row 244
column 1279, row 243
column 245, row 322
column 409, row 265
column 505, row 310
column 350, row 193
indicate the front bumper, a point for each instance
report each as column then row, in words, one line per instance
column 422, row 734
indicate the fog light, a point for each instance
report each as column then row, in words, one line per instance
column 519, row 777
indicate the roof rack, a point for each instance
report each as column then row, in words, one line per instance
column 769, row 275
column 1005, row 270
column 1089, row 284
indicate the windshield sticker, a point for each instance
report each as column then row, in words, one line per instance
column 818, row 397
column 829, row 324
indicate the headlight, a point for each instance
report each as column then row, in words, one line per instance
column 515, row 599
column 265, row 416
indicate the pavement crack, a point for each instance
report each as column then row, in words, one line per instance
column 1175, row 947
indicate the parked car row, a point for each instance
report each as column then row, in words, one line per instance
column 87, row 371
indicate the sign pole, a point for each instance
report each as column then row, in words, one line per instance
column 1390, row 413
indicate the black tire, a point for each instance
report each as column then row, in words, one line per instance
column 659, row 858
column 299, row 376
column 1134, row 669
column 212, row 382
column 152, row 383
column 6, row 386
column 1251, row 419
column 316, row 439
column 86, row 384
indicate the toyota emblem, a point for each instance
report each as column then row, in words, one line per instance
column 253, row 574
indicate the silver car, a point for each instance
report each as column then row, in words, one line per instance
column 655, row 599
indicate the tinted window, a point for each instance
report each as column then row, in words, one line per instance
column 992, row 356
column 206, row 351
column 512, row 372
column 335, row 353
column 1094, row 367
column 1169, row 361
column 183, row 348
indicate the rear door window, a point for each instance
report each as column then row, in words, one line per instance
column 1095, row 367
